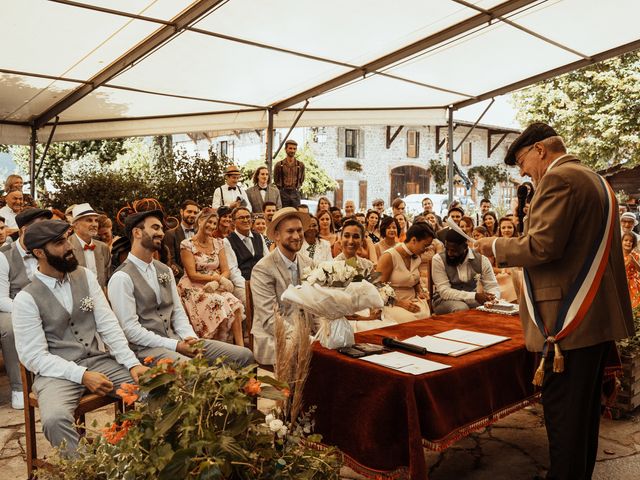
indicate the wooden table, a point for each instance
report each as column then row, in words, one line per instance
column 382, row 419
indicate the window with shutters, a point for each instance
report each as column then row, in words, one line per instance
column 413, row 143
column 224, row 148
column 466, row 154
column 350, row 143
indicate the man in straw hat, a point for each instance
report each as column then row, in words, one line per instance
column 231, row 194
column 90, row 253
column 273, row 274
column 575, row 301
column 56, row 319
column 628, row 222
column 288, row 175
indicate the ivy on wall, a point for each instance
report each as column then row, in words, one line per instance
column 439, row 174
column 491, row 175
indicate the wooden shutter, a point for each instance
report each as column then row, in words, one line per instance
column 466, row 153
column 412, row 143
column 360, row 144
column 338, row 194
column 363, row 194
column 340, row 142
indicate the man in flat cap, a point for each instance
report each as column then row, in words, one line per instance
column 288, row 175
column 90, row 253
column 145, row 299
column 16, row 270
column 231, row 194
column 575, row 300
column 56, row 319
column 455, row 274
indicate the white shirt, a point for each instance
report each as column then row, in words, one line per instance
column 190, row 233
column 30, row 265
column 291, row 266
column 31, row 342
column 442, row 285
column 89, row 256
column 229, row 196
column 322, row 253
column 9, row 216
column 124, row 306
column 232, row 261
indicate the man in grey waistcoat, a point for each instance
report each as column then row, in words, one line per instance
column 56, row 319
column 145, row 299
column 455, row 274
column 16, row 270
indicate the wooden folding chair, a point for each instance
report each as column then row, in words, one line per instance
column 88, row 403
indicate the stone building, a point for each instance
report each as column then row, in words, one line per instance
column 372, row 161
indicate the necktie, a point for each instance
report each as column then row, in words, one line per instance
column 249, row 244
column 294, row 274
column 232, row 188
column 88, row 246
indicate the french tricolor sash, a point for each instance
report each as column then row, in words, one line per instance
column 580, row 296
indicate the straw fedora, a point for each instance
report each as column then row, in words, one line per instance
column 82, row 210
column 283, row 214
column 232, row 170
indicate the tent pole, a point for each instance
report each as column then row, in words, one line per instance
column 269, row 152
column 32, row 161
column 293, row 125
column 474, row 125
column 450, row 154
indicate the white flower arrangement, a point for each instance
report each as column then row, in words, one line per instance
column 164, row 278
column 276, row 425
column 387, row 293
column 334, row 273
column 86, row 304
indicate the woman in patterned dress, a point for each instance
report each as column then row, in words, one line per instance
column 213, row 314
column 632, row 266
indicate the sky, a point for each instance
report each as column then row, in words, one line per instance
column 500, row 114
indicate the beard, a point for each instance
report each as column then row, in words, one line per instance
column 456, row 260
column 147, row 242
column 66, row 264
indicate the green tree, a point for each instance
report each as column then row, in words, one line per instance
column 596, row 110
column 491, row 176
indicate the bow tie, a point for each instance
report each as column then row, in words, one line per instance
column 263, row 189
column 91, row 246
column 231, row 188
column 187, row 230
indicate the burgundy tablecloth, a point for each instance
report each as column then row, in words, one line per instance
column 382, row 419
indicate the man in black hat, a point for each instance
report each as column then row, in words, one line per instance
column 56, row 319
column 575, row 300
column 231, row 194
column 288, row 175
column 145, row 299
column 16, row 270
column 455, row 274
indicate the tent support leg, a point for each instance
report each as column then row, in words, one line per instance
column 450, row 154
column 295, row 122
column 475, row 124
column 269, row 152
column 33, row 141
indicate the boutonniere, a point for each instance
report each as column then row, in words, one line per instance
column 86, row 304
column 164, row 278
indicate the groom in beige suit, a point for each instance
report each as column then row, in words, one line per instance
column 272, row 275
column 553, row 252
column 90, row 253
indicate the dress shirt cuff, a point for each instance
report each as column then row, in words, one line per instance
column 132, row 362
column 170, row 344
column 493, row 247
column 75, row 373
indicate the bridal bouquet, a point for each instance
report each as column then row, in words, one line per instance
column 330, row 274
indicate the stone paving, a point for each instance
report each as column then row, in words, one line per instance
column 512, row 449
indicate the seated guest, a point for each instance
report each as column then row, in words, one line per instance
column 105, row 230
column 366, row 250
column 225, row 223
column 16, row 272
column 243, row 250
column 480, row 232
column 270, row 209
column 260, row 226
column 427, row 208
column 303, row 208
column 262, row 190
column 349, row 208
column 231, row 194
column 56, row 319
column 90, row 253
column 490, row 222
column 323, row 204
column 433, row 220
column 389, row 229
column 13, row 182
column 3, row 233
column 371, row 223
column 360, row 217
column 628, row 222
column 272, row 275
column 467, row 225
column 507, row 227
column 14, row 204
column 632, row 266
column 186, row 229
column 398, row 206
column 454, row 273
column 401, row 218
column 205, row 288
column 378, row 206
column 336, row 216
column 145, row 299
column 326, row 228
column 400, row 267
column 315, row 248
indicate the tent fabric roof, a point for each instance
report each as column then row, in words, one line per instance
column 137, row 67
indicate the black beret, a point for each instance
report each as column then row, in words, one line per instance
column 41, row 233
column 454, row 237
column 27, row 216
column 536, row 132
column 135, row 218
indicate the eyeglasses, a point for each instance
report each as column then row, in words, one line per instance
column 243, row 218
column 522, row 155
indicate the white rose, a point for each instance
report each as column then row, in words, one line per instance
column 282, row 432
column 275, row 425
column 269, row 418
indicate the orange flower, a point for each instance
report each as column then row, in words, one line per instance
column 116, row 432
column 252, row 387
column 128, row 393
column 165, row 361
column 149, row 360
column 286, row 392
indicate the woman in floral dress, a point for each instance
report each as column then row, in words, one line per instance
column 213, row 314
column 632, row 266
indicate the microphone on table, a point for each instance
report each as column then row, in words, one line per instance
column 393, row 343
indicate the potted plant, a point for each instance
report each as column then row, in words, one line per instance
column 628, row 397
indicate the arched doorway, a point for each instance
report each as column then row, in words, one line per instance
column 409, row 179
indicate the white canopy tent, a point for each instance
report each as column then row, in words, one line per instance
column 110, row 68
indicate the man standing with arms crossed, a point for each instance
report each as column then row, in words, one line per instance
column 288, row 175
column 574, row 302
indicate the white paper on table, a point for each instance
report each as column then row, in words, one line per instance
column 405, row 363
column 474, row 338
column 442, row 346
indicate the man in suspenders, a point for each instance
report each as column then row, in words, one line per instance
column 231, row 194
